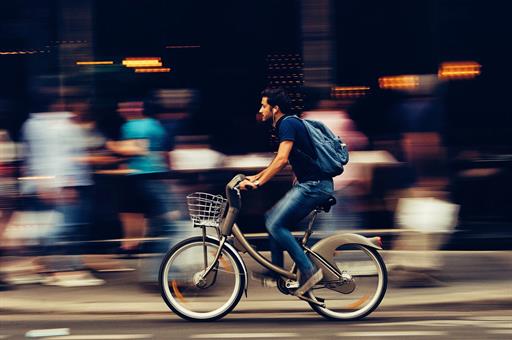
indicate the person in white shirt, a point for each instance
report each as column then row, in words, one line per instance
column 58, row 178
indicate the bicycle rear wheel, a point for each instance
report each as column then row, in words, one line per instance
column 360, row 291
column 212, row 300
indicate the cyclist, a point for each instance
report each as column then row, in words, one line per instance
column 309, row 190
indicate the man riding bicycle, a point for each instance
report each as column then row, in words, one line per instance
column 310, row 188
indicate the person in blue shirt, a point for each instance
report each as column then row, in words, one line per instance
column 309, row 190
column 143, row 140
column 150, row 135
column 144, row 143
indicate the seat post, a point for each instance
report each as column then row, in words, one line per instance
column 309, row 229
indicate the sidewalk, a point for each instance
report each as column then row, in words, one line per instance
column 475, row 278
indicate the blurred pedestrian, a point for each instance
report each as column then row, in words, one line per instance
column 425, row 208
column 57, row 178
column 347, row 188
column 7, row 193
column 144, row 143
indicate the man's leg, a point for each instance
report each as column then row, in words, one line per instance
column 157, row 197
column 276, row 251
column 68, row 268
column 292, row 208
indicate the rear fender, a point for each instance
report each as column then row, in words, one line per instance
column 326, row 247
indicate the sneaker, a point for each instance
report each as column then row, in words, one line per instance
column 73, row 279
column 107, row 265
column 308, row 282
column 25, row 279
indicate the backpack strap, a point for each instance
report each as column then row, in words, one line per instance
column 312, row 159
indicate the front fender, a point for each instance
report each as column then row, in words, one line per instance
column 235, row 252
column 328, row 245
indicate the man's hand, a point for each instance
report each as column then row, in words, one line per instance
column 58, row 195
column 251, row 178
column 247, row 185
column 129, row 147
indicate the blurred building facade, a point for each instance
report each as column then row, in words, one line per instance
column 382, row 62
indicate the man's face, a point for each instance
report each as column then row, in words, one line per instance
column 265, row 110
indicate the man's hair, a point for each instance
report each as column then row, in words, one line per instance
column 277, row 96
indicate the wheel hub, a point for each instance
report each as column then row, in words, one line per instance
column 344, row 285
column 285, row 286
column 198, row 280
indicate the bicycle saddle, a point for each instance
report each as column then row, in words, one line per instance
column 326, row 206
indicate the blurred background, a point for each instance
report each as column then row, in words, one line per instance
column 419, row 90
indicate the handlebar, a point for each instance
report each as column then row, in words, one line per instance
column 233, row 193
column 233, row 184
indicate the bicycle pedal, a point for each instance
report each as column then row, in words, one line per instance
column 291, row 284
column 313, row 301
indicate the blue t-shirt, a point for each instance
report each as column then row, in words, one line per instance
column 151, row 130
column 303, row 152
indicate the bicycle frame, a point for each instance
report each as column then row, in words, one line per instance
column 206, row 210
column 229, row 228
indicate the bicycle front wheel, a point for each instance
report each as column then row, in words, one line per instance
column 212, row 299
column 361, row 289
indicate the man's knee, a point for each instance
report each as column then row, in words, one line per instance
column 274, row 225
column 271, row 228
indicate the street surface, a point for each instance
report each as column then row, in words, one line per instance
column 471, row 300
column 450, row 322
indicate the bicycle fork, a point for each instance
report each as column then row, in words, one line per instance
column 206, row 277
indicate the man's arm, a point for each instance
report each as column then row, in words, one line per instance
column 277, row 164
column 130, row 147
column 257, row 176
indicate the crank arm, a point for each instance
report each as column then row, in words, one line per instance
column 313, row 301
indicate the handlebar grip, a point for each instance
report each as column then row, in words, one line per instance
column 235, row 181
column 232, row 194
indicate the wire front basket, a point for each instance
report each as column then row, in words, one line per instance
column 206, row 209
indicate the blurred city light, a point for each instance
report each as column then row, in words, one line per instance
column 153, row 70
column 22, row 52
column 399, row 82
column 459, row 69
column 339, row 92
column 142, row 62
column 94, row 62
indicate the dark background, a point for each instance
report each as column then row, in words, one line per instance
column 372, row 38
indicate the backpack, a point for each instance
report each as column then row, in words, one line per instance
column 331, row 152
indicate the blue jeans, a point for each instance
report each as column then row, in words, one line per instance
column 293, row 207
column 64, row 242
column 156, row 198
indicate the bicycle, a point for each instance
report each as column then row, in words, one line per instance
column 203, row 278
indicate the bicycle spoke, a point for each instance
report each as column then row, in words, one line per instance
column 193, row 295
column 359, row 290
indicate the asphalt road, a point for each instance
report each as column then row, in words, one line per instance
column 450, row 322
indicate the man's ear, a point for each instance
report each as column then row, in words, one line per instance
column 275, row 109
